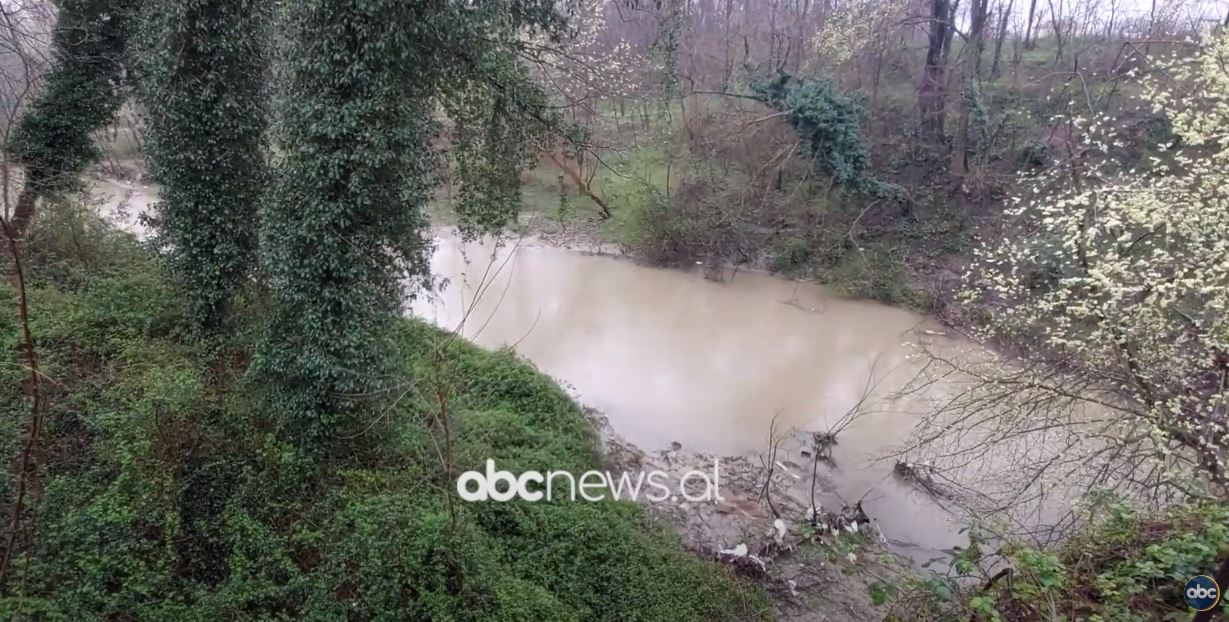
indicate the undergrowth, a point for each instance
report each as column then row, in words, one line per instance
column 1127, row 566
column 165, row 493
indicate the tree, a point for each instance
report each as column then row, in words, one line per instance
column 829, row 121
column 970, row 76
column 930, row 92
column 1029, row 38
column 344, row 237
column 84, row 90
column 1000, row 34
column 1112, row 281
column 203, row 86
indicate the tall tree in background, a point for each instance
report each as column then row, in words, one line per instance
column 1029, row 40
column 1000, row 34
column 204, row 79
column 930, row 92
column 84, row 91
column 970, row 78
column 344, row 238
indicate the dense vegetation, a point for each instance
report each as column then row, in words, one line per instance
column 53, row 141
column 235, row 421
column 204, row 70
column 168, row 495
column 199, row 436
column 1124, row 566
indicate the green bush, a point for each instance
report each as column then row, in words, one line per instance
column 791, row 256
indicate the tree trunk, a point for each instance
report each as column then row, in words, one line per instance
column 951, row 30
column 1222, row 579
column 1151, row 29
column 978, row 12
column 970, row 72
column 1057, row 22
column 23, row 212
column 1028, row 25
column 930, row 92
column 1004, row 13
column 581, row 184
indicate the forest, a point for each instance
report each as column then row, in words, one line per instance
column 937, row 289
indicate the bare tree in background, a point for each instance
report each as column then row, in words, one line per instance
column 1000, row 35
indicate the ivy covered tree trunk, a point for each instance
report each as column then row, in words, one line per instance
column 970, row 78
column 344, row 234
column 204, row 80
column 52, row 140
column 344, row 238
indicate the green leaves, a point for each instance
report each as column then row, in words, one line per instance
column 204, row 69
column 830, row 122
column 344, row 236
column 83, row 92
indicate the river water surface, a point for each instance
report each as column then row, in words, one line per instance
column 670, row 357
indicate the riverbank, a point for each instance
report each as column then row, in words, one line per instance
column 817, row 566
column 685, row 369
column 906, row 262
column 810, row 575
column 166, row 490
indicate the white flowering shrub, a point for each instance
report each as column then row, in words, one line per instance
column 591, row 61
column 1120, row 275
column 850, row 29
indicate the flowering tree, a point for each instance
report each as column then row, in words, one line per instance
column 1113, row 282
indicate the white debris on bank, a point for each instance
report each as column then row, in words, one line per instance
column 740, row 556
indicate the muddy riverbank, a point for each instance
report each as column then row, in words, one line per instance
column 819, row 564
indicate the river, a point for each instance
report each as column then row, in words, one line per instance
column 670, row 357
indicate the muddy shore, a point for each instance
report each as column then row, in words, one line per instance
column 818, row 563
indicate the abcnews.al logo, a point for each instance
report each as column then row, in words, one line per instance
column 1202, row 593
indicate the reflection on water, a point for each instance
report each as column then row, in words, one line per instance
column 668, row 357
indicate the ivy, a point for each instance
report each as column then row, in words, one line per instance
column 665, row 47
column 344, row 236
column 501, row 119
column 204, row 76
column 83, row 92
column 827, row 119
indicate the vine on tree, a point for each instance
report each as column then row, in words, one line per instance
column 83, row 92
column 204, row 76
column 345, row 240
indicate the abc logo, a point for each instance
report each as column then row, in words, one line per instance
column 1202, row 593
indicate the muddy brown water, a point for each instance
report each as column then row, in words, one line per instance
column 122, row 203
column 670, row 357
